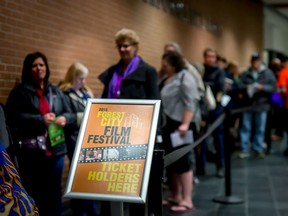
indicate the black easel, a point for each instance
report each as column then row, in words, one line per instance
column 155, row 184
column 154, row 193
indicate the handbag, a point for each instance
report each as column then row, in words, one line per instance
column 210, row 99
column 37, row 144
column 207, row 102
column 277, row 99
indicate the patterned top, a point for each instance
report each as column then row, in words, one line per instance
column 180, row 94
column 14, row 200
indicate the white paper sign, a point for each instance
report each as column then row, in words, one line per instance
column 225, row 100
column 178, row 140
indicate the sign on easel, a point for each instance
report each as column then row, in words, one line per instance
column 114, row 150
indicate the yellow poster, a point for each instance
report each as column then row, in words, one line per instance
column 113, row 152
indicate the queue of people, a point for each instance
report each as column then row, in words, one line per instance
column 35, row 105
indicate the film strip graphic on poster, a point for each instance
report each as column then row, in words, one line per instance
column 107, row 154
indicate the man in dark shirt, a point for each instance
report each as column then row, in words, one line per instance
column 215, row 78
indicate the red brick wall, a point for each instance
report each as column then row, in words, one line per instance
column 75, row 30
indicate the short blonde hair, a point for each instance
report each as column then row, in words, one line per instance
column 175, row 46
column 127, row 34
column 74, row 71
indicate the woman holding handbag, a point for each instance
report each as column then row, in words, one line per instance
column 36, row 112
column 180, row 104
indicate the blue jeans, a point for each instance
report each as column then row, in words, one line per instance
column 258, row 121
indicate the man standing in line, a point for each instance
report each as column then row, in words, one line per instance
column 215, row 78
column 257, row 84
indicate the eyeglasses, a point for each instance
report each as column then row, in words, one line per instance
column 125, row 46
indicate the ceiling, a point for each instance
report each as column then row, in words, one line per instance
column 279, row 5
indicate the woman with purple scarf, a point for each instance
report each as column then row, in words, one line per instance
column 131, row 77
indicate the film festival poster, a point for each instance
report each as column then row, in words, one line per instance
column 114, row 150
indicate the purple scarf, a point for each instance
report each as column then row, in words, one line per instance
column 115, row 83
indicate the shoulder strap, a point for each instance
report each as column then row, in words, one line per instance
column 50, row 98
column 182, row 78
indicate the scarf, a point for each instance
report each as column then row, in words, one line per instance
column 119, row 75
column 44, row 107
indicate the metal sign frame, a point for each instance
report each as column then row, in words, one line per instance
column 114, row 103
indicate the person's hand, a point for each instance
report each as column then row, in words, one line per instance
column 203, row 123
column 36, row 211
column 260, row 87
column 183, row 128
column 227, row 87
column 49, row 118
column 61, row 121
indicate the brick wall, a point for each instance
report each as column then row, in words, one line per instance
column 83, row 30
column 74, row 30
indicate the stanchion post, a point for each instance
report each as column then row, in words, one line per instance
column 117, row 209
column 228, row 198
column 154, row 200
column 227, row 154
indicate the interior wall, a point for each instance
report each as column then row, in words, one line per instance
column 275, row 31
column 242, row 32
column 68, row 31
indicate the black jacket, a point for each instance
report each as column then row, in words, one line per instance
column 141, row 84
column 24, row 118
column 215, row 78
column 77, row 106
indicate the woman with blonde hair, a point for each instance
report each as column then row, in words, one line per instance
column 75, row 88
column 75, row 78
column 131, row 77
